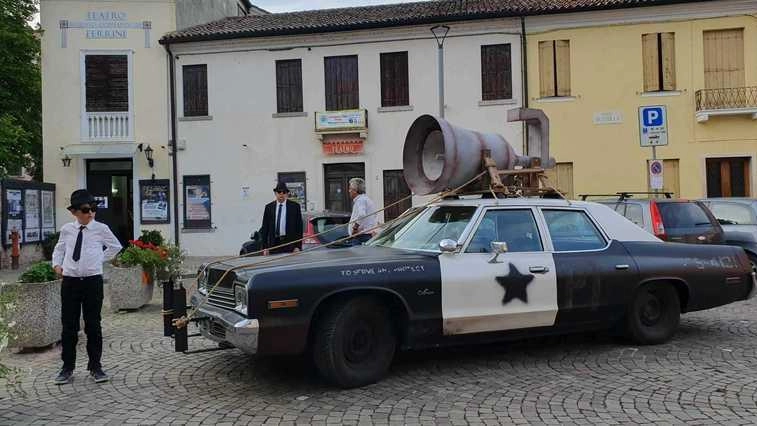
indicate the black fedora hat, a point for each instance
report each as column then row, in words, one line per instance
column 281, row 187
column 80, row 197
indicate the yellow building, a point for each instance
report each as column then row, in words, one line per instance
column 592, row 71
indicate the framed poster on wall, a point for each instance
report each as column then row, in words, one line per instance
column 154, row 201
column 28, row 207
column 48, row 209
column 197, row 204
column 297, row 184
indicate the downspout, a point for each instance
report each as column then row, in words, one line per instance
column 524, row 79
column 174, row 142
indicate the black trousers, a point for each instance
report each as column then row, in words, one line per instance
column 286, row 249
column 81, row 295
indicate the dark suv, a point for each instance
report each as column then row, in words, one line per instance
column 670, row 219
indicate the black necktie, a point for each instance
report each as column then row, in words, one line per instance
column 278, row 222
column 77, row 247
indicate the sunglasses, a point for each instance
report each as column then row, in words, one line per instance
column 86, row 210
column 282, row 192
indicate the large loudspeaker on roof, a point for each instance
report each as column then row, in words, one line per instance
column 438, row 155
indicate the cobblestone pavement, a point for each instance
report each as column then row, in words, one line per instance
column 706, row 375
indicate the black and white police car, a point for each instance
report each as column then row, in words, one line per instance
column 465, row 270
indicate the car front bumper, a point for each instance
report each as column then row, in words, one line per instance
column 224, row 326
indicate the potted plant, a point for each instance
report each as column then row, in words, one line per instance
column 130, row 282
column 37, row 313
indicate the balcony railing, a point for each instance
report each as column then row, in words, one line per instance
column 728, row 101
column 108, row 126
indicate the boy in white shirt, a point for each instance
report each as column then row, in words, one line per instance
column 78, row 258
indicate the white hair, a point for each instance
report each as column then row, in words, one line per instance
column 358, row 185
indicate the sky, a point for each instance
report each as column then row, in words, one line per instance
column 291, row 5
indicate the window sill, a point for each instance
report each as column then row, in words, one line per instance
column 660, row 93
column 395, row 108
column 556, row 99
column 289, row 114
column 197, row 118
column 197, row 230
column 494, row 102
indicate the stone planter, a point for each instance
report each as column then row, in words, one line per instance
column 37, row 314
column 127, row 287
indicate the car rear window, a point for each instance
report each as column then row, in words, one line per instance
column 632, row 212
column 683, row 215
column 329, row 228
column 732, row 213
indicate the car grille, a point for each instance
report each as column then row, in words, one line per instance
column 217, row 330
column 222, row 298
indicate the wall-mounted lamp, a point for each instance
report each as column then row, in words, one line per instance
column 66, row 161
column 148, row 155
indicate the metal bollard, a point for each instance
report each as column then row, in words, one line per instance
column 180, row 310
column 168, row 308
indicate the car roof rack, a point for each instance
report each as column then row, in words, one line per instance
column 623, row 195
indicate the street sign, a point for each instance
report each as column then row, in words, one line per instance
column 655, row 174
column 653, row 125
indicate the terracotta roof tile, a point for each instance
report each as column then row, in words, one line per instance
column 365, row 17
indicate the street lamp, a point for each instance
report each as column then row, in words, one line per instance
column 440, row 34
column 148, row 155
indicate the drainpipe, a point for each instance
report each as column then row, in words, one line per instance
column 174, row 136
column 524, row 73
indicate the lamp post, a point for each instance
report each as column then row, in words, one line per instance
column 440, row 34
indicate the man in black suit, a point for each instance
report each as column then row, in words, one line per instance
column 282, row 223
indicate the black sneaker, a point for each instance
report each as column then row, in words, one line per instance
column 99, row 375
column 64, row 377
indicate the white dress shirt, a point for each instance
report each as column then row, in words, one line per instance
column 283, row 222
column 361, row 207
column 95, row 236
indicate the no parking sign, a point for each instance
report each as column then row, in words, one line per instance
column 655, row 174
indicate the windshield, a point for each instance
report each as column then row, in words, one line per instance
column 425, row 228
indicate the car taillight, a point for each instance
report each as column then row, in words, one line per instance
column 658, row 229
column 310, row 237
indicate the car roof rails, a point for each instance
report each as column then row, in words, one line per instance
column 623, row 195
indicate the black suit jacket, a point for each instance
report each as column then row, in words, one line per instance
column 293, row 224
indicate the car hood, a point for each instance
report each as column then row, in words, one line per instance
column 245, row 268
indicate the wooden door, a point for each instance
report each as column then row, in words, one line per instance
column 336, row 184
column 395, row 189
column 728, row 177
column 671, row 180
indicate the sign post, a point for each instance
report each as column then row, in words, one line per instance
column 653, row 132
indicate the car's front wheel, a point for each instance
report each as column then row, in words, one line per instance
column 654, row 314
column 354, row 342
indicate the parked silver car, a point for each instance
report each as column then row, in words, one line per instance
column 738, row 218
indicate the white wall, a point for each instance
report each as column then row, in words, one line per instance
column 242, row 99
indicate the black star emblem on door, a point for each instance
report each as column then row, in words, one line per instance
column 515, row 285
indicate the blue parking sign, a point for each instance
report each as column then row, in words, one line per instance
column 653, row 125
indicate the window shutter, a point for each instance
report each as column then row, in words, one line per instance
column 546, row 69
column 562, row 63
column 724, row 59
column 394, row 79
column 107, row 83
column 496, row 73
column 667, row 43
column 195, row 90
column 289, row 86
column 650, row 57
column 341, row 78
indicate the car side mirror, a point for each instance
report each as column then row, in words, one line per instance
column 447, row 245
column 498, row 247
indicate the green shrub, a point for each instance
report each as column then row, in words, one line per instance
column 154, row 237
column 40, row 272
column 48, row 245
column 134, row 256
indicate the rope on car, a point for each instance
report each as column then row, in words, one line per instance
column 183, row 321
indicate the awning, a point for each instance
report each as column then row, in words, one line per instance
column 100, row 150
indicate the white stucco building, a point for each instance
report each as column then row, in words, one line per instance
column 105, row 101
column 263, row 99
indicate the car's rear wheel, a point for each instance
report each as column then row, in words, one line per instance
column 654, row 314
column 354, row 342
column 752, row 261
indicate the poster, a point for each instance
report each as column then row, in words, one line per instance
column 14, row 224
column 48, row 209
column 297, row 192
column 47, row 231
column 31, row 235
column 14, row 206
column 154, row 202
column 102, row 202
column 198, row 202
column 31, row 204
column 296, row 182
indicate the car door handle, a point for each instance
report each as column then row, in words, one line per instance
column 538, row 269
column 621, row 267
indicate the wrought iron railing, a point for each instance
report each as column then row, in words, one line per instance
column 730, row 98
